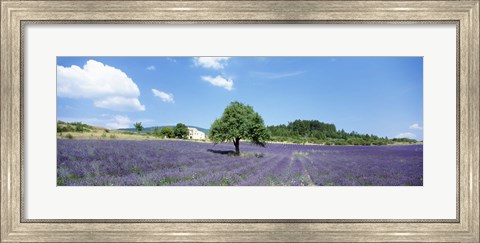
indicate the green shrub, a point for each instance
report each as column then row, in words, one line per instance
column 69, row 136
column 167, row 132
column 73, row 127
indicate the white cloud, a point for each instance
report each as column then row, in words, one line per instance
column 219, row 81
column 165, row 97
column 415, row 126
column 406, row 135
column 211, row 62
column 103, row 84
column 119, row 122
column 151, row 68
column 119, row 103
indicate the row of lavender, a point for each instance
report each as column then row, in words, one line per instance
column 183, row 163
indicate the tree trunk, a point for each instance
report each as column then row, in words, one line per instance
column 236, row 142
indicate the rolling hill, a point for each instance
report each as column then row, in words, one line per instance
column 150, row 129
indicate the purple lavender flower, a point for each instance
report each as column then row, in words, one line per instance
column 184, row 163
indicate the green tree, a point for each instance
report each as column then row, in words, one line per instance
column 167, row 132
column 238, row 122
column 181, row 131
column 156, row 132
column 138, row 126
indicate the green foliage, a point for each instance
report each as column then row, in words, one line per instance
column 313, row 131
column 168, row 132
column 238, row 122
column 181, row 131
column 72, row 127
column 404, row 140
column 138, row 126
column 341, row 142
column 156, row 132
column 69, row 136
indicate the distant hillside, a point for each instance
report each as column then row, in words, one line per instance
column 150, row 129
column 313, row 131
column 298, row 131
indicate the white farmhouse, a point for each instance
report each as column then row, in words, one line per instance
column 194, row 133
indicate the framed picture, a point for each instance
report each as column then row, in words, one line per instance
column 137, row 121
column 253, row 142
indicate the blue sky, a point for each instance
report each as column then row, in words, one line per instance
column 374, row 95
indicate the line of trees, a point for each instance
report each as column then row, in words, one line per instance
column 179, row 131
column 72, row 127
column 313, row 131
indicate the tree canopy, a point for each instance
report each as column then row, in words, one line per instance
column 181, row 130
column 313, row 131
column 138, row 126
column 167, row 132
column 238, row 122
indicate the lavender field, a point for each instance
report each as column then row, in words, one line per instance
column 183, row 163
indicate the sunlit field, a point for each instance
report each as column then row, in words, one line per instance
column 185, row 163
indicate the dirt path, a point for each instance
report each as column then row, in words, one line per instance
column 309, row 180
